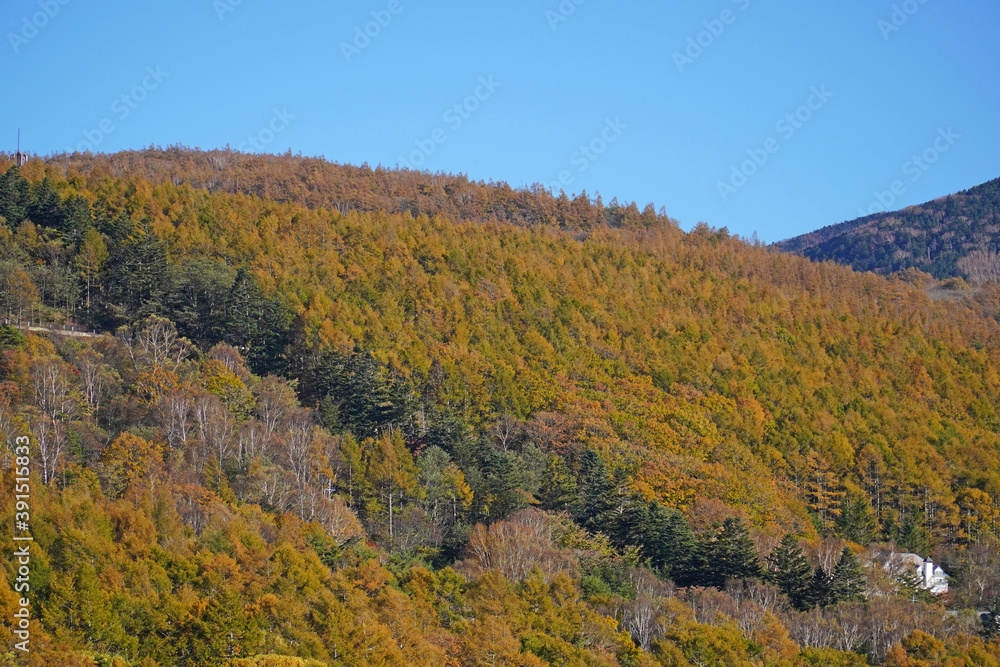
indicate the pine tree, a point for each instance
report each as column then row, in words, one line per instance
column 790, row 571
column 138, row 272
column 847, row 582
column 392, row 476
column 46, row 209
column 255, row 324
column 77, row 218
column 820, row 593
column 727, row 554
column 912, row 536
column 15, row 196
column 558, row 485
column 671, row 544
column 856, row 522
column 596, row 492
column 822, row 490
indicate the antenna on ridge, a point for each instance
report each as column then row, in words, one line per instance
column 20, row 159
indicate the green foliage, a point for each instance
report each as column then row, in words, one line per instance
column 856, row 522
column 355, row 393
column 727, row 553
column 847, row 580
column 791, row 572
column 596, row 492
column 10, row 337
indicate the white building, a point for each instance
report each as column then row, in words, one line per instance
column 930, row 576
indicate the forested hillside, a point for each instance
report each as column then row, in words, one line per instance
column 340, row 416
column 954, row 236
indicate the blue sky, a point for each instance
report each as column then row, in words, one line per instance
column 770, row 117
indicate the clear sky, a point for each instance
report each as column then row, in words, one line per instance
column 683, row 104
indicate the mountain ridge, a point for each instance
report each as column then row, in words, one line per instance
column 951, row 236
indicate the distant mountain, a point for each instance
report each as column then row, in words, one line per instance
column 957, row 235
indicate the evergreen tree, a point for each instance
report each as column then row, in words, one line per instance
column 727, row 553
column 558, row 485
column 259, row 326
column 596, row 492
column 137, row 277
column 790, row 571
column 856, row 522
column 46, row 208
column 911, row 587
column 77, row 218
column 631, row 525
column 820, row 593
column 200, row 290
column 847, row 582
column 15, row 197
column 356, row 393
column 503, row 476
column 912, row 536
column 671, row 544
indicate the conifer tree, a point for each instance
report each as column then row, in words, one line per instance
column 856, row 522
column 728, row 553
column 46, row 209
column 257, row 325
column 596, row 492
column 820, row 593
column 790, row 571
column 15, row 196
column 138, row 272
column 671, row 544
column 558, row 485
column 847, row 581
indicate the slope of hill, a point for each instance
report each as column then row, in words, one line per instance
column 372, row 437
column 316, row 183
column 957, row 235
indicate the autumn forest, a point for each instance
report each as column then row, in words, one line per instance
column 289, row 413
